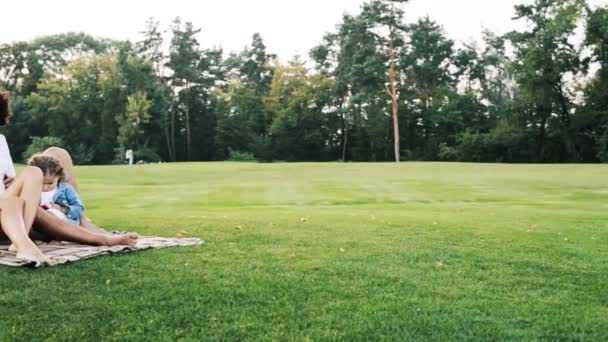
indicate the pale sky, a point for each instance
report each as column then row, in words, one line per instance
column 288, row 27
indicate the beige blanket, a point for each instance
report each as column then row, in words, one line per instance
column 63, row 252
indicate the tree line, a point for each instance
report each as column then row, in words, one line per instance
column 376, row 89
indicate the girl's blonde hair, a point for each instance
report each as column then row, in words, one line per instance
column 50, row 166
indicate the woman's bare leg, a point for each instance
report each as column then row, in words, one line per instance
column 11, row 220
column 57, row 229
column 27, row 186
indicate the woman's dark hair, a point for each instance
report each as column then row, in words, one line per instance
column 5, row 107
column 50, row 166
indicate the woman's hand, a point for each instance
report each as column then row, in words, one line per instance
column 8, row 180
column 60, row 208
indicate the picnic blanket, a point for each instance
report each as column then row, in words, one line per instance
column 63, row 252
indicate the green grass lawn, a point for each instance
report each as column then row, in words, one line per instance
column 417, row 251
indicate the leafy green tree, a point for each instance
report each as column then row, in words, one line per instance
column 40, row 144
column 23, row 64
column 79, row 106
column 544, row 56
column 591, row 122
column 298, row 103
column 236, row 124
column 184, row 61
column 387, row 15
column 356, row 59
column 244, row 125
column 429, row 87
column 138, row 80
column 151, row 49
column 137, row 114
column 100, row 104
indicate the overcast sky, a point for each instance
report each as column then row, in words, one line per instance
column 288, row 27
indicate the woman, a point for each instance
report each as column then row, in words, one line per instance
column 19, row 202
column 19, row 206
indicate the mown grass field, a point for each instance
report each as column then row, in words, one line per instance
column 417, row 251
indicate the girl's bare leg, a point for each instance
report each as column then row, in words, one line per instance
column 57, row 229
column 87, row 224
column 27, row 186
column 11, row 220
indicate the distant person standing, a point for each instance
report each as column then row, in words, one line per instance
column 129, row 156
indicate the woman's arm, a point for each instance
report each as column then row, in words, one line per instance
column 7, row 169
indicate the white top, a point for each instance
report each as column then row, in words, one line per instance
column 46, row 197
column 6, row 162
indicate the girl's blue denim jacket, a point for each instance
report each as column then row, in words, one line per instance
column 67, row 197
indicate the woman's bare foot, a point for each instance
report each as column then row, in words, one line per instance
column 32, row 253
column 122, row 240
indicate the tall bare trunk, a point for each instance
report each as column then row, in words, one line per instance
column 565, row 126
column 344, row 136
column 187, row 121
column 168, row 136
column 344, row 129
column 545, row 109
column 172, row 137
column 392, row 91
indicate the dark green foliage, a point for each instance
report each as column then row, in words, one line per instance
column 39, row 144
column 240, row 156
column 534, row 95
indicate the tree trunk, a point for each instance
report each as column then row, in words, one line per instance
column 344, row 130
column 545, row 109
column 541, row 141
column 172, row 137
column 344, row 136
column 168, row 137
column 187, row 121
column 571, row 151
column 392, row 90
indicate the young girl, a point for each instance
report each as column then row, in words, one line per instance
column 57, row 197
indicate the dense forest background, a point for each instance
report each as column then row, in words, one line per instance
column 375, row 89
